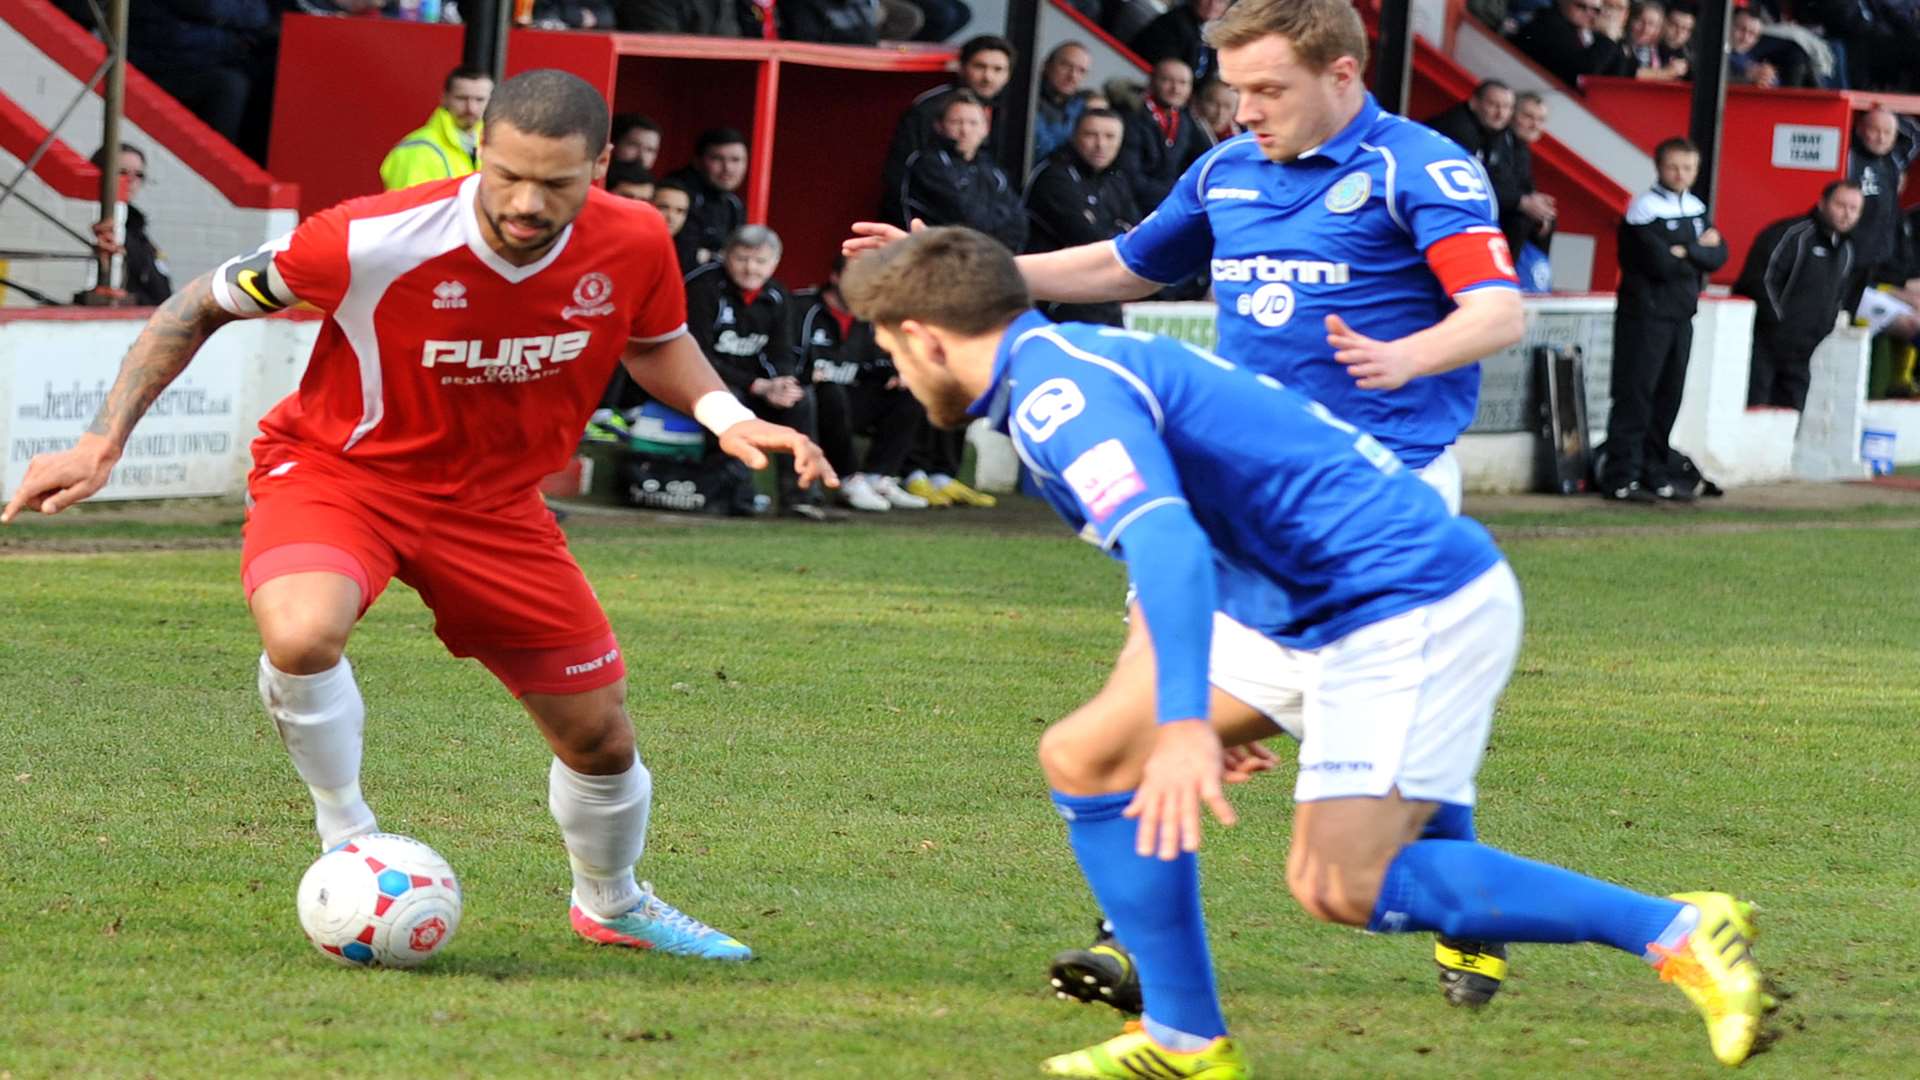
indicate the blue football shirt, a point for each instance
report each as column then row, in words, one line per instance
column 1343, row 230
column 1314, row 528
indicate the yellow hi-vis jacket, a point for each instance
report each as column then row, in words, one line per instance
column 435, row 151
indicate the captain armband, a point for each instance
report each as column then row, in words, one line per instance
column 1478, row 256
column 248, row 286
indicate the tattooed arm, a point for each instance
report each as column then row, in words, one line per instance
column 171, row 337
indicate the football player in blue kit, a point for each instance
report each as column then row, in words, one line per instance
column 1355, row 256
column 1290, row 571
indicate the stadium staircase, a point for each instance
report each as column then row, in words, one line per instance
column 204, row 200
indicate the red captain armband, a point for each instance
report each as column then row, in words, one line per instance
column 1475, row 257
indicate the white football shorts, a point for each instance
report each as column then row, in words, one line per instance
column 1442, row 474
column 1405, row 703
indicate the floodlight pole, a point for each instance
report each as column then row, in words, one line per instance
column 1393, row 66
column 1709, row 92
column 1014, row 117
column 485, row 45
column 116, row 97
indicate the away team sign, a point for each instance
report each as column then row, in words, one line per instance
column 58, row 373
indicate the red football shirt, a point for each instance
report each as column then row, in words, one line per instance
column 444, row 367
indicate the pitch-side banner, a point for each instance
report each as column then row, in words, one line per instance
column 59, row 373
column 1506, row 378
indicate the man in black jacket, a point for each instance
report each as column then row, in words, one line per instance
column 952, row 182
column 741, row 318
column 712, row 181
column 857, row 392
column 1163, row 136
column 1798, row 274
column 1883, row 147
column 1177, row 34
column 1078, row 197
column 1667, row 247
column 986, row 63
column 1562, row 39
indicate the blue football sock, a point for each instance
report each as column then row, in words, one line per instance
column 1451, row 821
column 1154, row 907
column 1467, row 890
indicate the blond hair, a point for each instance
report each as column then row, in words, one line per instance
column 953, row 278
column 1321, row 31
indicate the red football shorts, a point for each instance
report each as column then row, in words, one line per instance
column 501, row 584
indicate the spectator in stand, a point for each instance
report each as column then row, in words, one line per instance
column 1667, row 247
column 1483, row 126
column 1163, row 136
column 1645, row 32
column 856, row 392
column 673, row 200
column 143, row 269
column 942, row 19
column 629, row 181
column 1215, row 105
column 1676, row 40
column 1756, row 59
column 986, row 63
column 712, row 18
column 829, row 22
column 1177, row 35
column 1564, row 40
column 1479, row 124
column 1062, row 97
column 1529, row 229
column 1883, row 147
column 573, row 15
column 1798, row 274
column 1076, row 197
column 712, row 181
column 448, row 144
column 216, row 57
column 636, row 139
column 741, row 317
column 953, row 183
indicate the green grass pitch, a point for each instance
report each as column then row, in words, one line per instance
column 840, row 723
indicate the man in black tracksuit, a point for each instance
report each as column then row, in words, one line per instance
column 712, row 181
column 1667, row 247
column 741, row 317
column 1798, row 274
column 1078, row 197
column 856, row 389
column 1884, row 145
column 953, row 183
column 1163, row 135
column 986, row 64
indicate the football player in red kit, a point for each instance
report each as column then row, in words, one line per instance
column 471, row 325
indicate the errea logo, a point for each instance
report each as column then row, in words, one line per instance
column 449, row 295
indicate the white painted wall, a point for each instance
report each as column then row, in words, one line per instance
column 191, row 222
column 23, row 230
column 54, row 373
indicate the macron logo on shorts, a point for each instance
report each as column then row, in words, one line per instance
column 1104, row 478
column 592, row 665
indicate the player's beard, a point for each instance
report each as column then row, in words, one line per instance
column 547, row 230
column 947, row 405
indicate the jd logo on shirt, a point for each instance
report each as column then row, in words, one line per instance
column 1270, row 304
column 1458, row 180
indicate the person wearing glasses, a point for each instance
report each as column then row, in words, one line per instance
column 144, row 276
column 1567, row 41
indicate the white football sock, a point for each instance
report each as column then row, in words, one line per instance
column 917, row 474
column 941, row 479
column 604, row 822
column 320, row 718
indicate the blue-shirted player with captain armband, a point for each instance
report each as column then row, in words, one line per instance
column 1355, row 256
column 1288, row 566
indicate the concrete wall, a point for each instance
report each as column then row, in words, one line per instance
column 55, row 371
column 193, row 224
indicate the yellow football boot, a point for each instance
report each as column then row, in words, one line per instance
column 1133, row 1054
column 960, row 494
column 1714, row 967
column 924, row 488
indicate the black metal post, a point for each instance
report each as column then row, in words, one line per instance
column 1393, row 62
column 1709, row 91
column 486, row 39
column 1013, row 119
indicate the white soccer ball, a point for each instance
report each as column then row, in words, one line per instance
column 380, row 900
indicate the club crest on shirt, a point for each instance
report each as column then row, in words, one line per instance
column 593, row 295
column 1349, row 193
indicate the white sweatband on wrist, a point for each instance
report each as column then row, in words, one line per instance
column 718, row 410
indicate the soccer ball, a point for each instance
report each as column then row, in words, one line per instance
column 380, row 900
